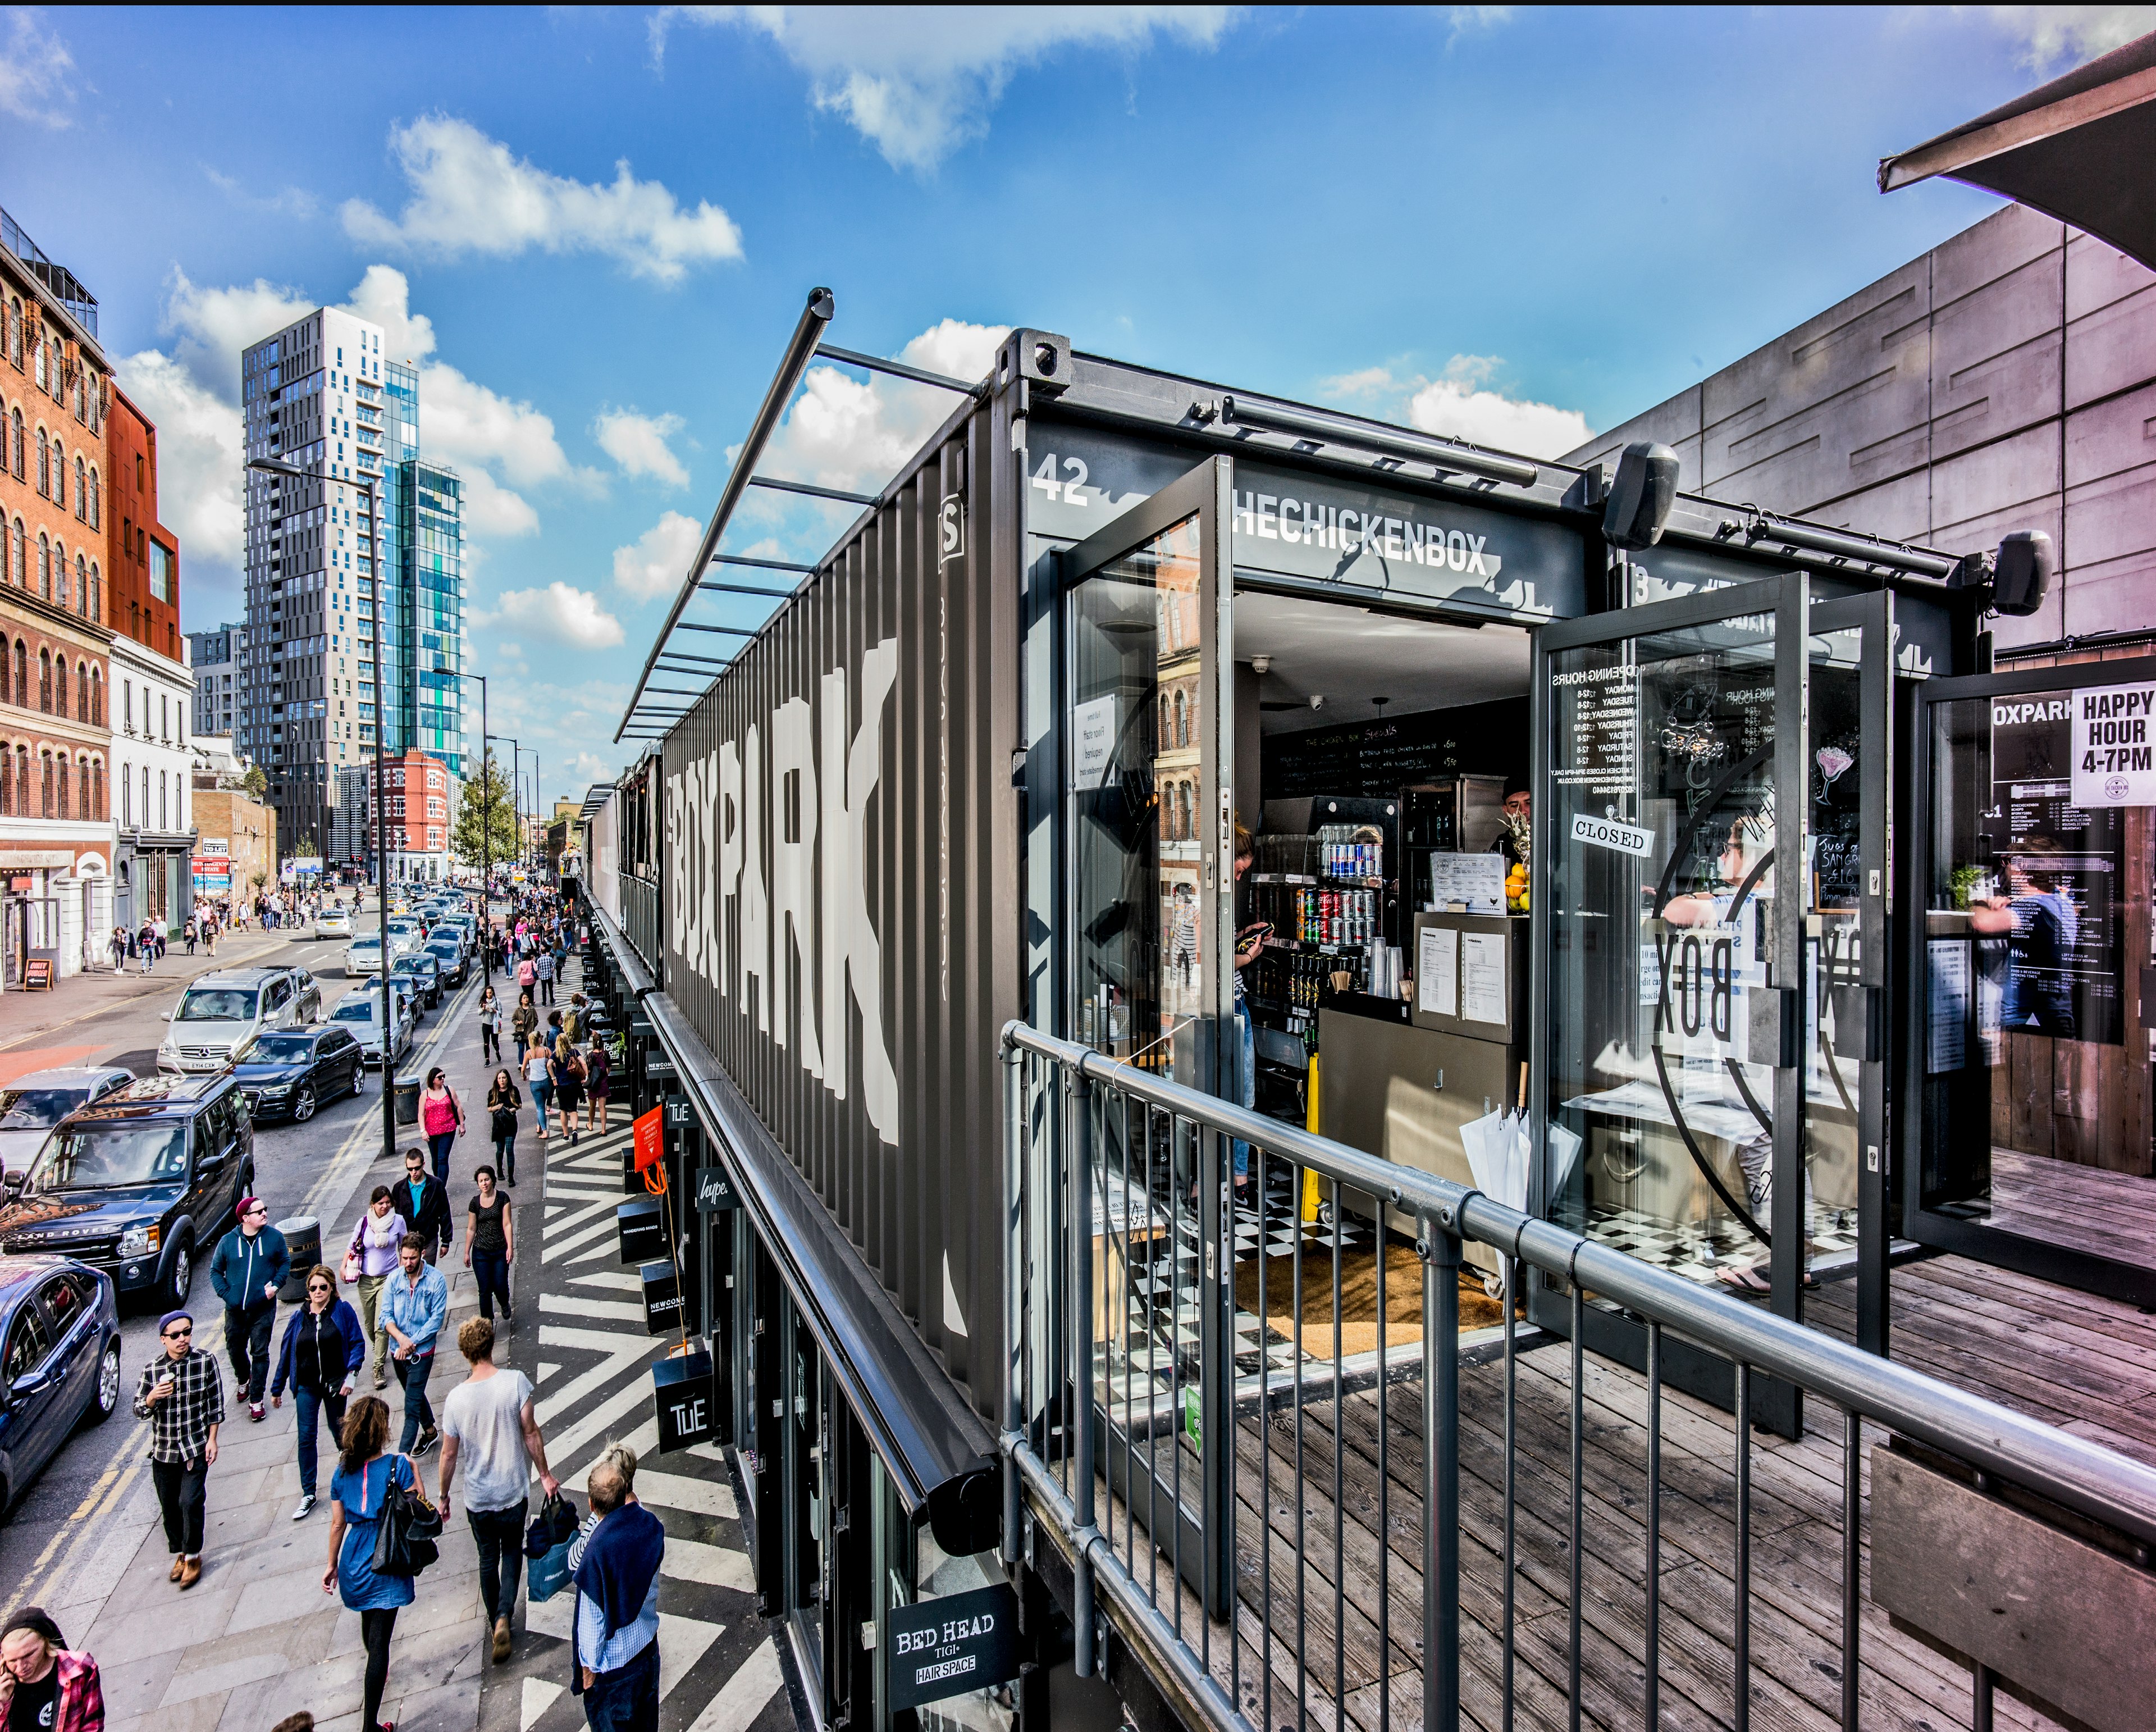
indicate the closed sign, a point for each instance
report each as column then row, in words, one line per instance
column 947, row 1646
column 1608, row 833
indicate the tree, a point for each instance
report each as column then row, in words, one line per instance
column 486, row 819
column 256, row 781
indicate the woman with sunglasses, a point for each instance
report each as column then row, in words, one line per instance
column 325, row 1345
column 181, row 1392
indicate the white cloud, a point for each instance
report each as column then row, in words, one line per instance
column 468, row 425
column 1458, row 403
column 384, row 297
column 589, row 767
column 1475, row 21
column 918, row 81
column 471, row 195
column 36, row 83
column 214, row 324
column 199, row 454
column 291, row 202
column 492, row 510
column 2047, row 35
column 638, row 443
column 844, row 434
column 655, row 562
column 571, row 617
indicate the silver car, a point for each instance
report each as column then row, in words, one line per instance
column 31, row 1106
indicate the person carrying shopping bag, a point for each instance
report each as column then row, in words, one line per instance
column 489, row 1429
column 565, row 1070
column 370, row 1258
column 323, row 1350
column 359, row 1491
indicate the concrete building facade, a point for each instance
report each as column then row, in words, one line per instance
column 56, row 837
column 2006, row 380
column 213, row 658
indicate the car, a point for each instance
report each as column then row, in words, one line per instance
column 31, row 1106
column 140, row 1185
column 363, row 956
column 332, row 923
column 359, row 1014
column 424, row 970
column 222, row 1010
column 60, row 1361
column 292, row 1074
column 406, row 934
column 447, row 947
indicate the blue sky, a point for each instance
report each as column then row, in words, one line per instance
column 595, row 229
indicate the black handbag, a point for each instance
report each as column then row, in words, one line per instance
column 405, row 1533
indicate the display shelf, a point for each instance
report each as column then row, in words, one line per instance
column 1305, row 878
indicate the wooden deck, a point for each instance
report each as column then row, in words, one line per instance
column 2087, row 1209
column 2088, row 1365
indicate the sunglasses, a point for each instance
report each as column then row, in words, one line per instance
column 175, row 1334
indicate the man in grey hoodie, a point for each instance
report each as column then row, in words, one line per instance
column 248, row 1268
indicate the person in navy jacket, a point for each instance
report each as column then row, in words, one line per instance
column 251, row 1264
column 325, row 1345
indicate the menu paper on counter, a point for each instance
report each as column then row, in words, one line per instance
column 1482, row 977
column 1437, row 972
column 1475, row 881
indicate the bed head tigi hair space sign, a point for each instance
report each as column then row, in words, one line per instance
column 840, row 883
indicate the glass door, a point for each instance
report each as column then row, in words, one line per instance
column 1712, row 870
column 2032, row 966
column 1149, row 891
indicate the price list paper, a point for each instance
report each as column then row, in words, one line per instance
column 1600, row 716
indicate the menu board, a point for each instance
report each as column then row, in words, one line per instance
column 1473, row 882
column 2060, row 868
column 1379, row 757
column 1598, row 722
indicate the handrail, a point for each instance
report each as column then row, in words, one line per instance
column 2057, row 1465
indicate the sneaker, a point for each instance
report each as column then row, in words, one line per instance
column 305, row 1508
column 428, row 1439
column 255, row 1411
column 381, row 1378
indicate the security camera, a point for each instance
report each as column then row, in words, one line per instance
column 1261, row 665
column 1318, row 700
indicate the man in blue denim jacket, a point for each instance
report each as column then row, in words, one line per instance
column 414, row 1305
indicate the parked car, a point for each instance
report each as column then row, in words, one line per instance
column 424, row 971
column 60, row 1361
column 220, row 1013
column 363, row 956
column 140, row 1185
column 360, row 1015
column 332, row 923
column 291, row 1075
column 447, row 947
column 31, row 1106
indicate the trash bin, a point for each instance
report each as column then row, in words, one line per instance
column 303, row 1239
column 408, row 1100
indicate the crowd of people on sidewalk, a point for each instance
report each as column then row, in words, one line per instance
column 383, row 1309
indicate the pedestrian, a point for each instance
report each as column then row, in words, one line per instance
column 617, row 1609
column 325, row 1345
column 423, row 1201
column 370, row 1259
column 521, row 1021
column 503, row 1100
column 250, row 1265
column 364, row 1475
column 527, row 973
column 441, row 1116
column 598, row 1080
column 490, row 1245
column 490, row 1428
column 45, row 1684
column 573, row 1022
column 118, row 947
column 209, row 935
column 490, row 1025
column 145, row 941
column 193, row 934
column 538, row 1077
column 565, row 1071
column 416, row 1305
column 621, row 1455
column 181, row 1393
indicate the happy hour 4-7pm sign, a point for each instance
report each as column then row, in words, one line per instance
column 2114, row 746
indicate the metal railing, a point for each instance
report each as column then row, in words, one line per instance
column 1212, row 1481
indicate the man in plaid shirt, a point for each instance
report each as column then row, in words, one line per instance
column 181, row 1393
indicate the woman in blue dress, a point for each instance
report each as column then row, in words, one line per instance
column 363, row 1476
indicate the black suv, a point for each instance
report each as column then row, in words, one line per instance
column 140, row 1185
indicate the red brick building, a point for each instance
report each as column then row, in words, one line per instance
column 55, row 723
column 422, row 802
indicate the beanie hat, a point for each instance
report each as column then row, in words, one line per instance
column 170, row 1318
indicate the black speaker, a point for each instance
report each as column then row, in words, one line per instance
column 2021, row 572
column 1640, row 496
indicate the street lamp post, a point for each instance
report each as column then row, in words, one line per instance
column 272, row 466
column 485, row 822
column 515, row 791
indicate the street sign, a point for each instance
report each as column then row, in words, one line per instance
column 949, row 1646
column 715, row 1191
column 686, row 1395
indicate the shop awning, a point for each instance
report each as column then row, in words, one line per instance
column 2080, row 148
column 634, row 975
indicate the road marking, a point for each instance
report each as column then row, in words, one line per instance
column 682, row 1641
column 677, row 1491
column 539, row 1696
column 618, row 1283
column 598, row 1310
column 626, row 1359
column 714, row 1566
column 742, row 1697
column 597, row 1229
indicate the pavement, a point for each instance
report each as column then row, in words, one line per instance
column 257, row 1639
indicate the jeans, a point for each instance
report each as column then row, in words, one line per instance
column 311, row 1403
column 412, row 1375
column 375, row 1630
column 490, row 1275
column 627, row 1698
column 546, row 989
column 543, row 1097
column 247, row 1341
column 182, row 1487
column 442, row 1144
column 500, row 1533
column 1246, row 1080
column 368, row 1304
column 505, row 1158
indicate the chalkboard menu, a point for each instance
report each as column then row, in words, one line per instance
column 1379, row 758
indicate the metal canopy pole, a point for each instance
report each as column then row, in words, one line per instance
column 800, row 350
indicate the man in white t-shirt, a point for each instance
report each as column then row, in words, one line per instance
column 489, row 1430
